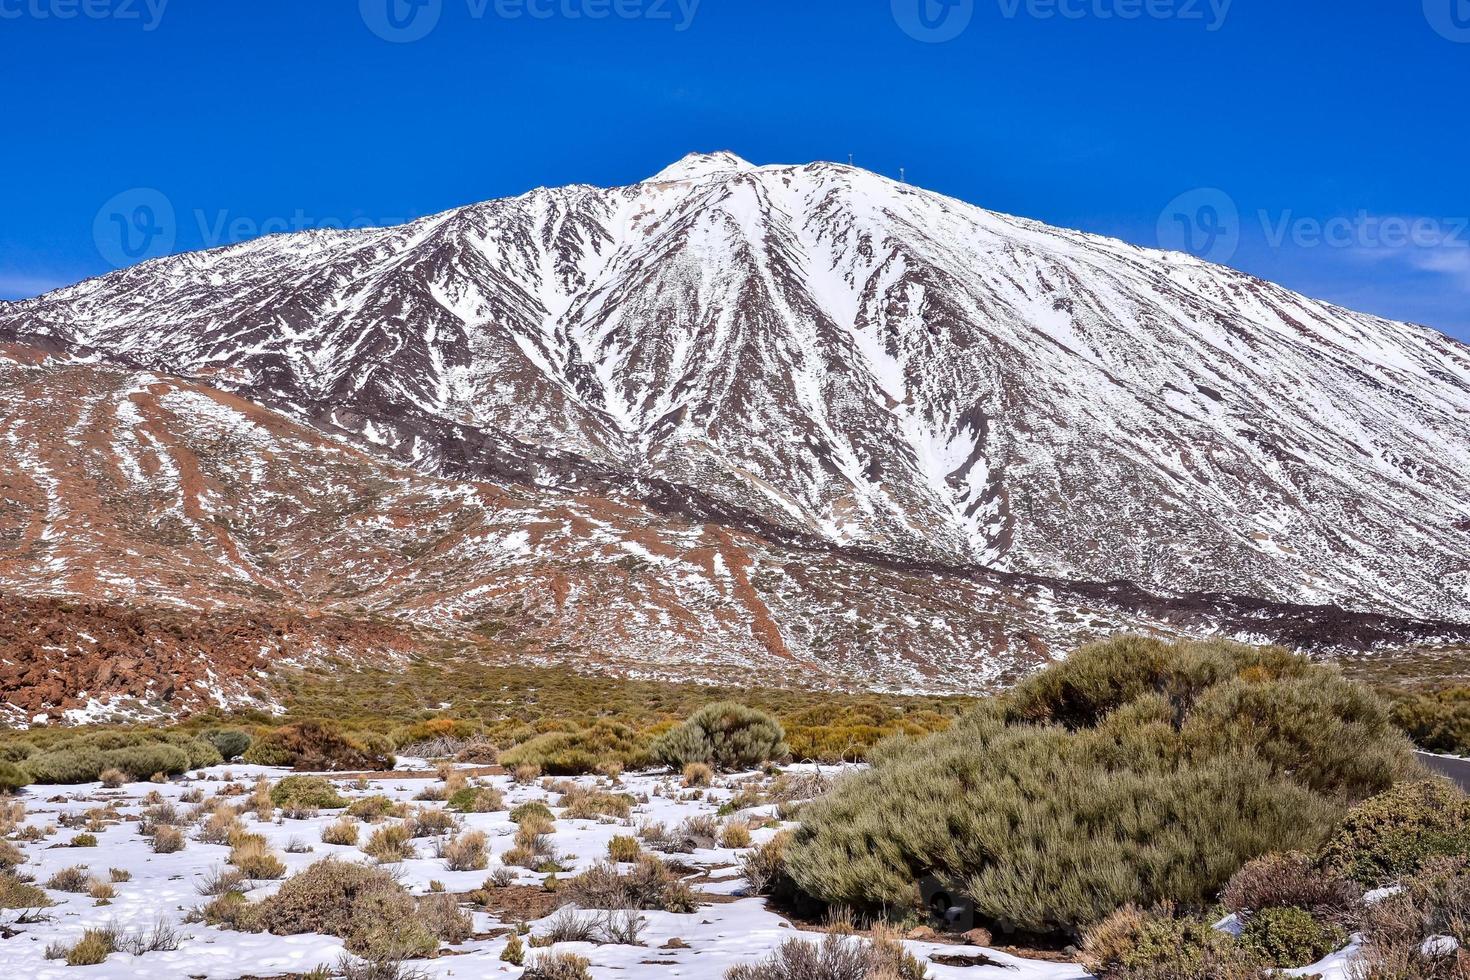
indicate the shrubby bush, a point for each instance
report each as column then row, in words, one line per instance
column 836, row 957
column 573, row 753
column 362, row 905
column 231, row 743
column 1293, row 881
column 727, row 735
column 306, row 792
column 1135, row 772
column 13, row 777
column 1433, row 904
column 648, row 885
column 1436, row 720
column 1290, row 937
column 320, row 746
column 1393, row 834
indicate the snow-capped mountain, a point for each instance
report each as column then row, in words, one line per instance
column 832, row 358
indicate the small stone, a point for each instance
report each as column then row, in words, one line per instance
column 675, row 943
column 978, row 937
column 920, row 932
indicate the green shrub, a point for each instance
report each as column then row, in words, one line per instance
column 94, row 947
column 364, row 906
column 376, row 807
column 67, row 766
column 473, row 799
column 230, row 743
column 1134, row 945
column 1120, row 776
column 16, row 751
column 143, row 761
column 18, row 894
column 727, row 736
column 573, row 753
column 533, row 809
column 1394, row 833
column 306, row 792
column 1438, row 721
column 321, row 746
column 1290, row 937
column 13, row 777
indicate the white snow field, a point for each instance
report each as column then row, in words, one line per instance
column 730, row 929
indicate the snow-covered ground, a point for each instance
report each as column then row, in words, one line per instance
column 729, row 930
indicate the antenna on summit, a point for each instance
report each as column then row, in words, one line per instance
column 903, row 175
column 849, row 159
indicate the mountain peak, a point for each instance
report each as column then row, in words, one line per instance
column 696, row 166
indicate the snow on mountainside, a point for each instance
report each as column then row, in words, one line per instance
column 824, row 355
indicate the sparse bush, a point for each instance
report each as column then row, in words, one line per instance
column 648, row 885
column 1290, row 937
column 764, row 868
column 74, row 879
column 1433, row 904
column 697, row 774
column 727, row 736
column 342, row 832
column 306, row 792
column 167, row 840
column 1395, row 833
column 220, row 826
column 13, row 778
column 102, row 892
column 583, row 804
column 473, row 799
column 558, row 966
column 442, row 916
column 390, row 844
column 838, row 957
column 735, row 834
column 1134, row 772
column 1292, row 881
column 428, row 822
column 467, row 852
column 515, row 950
column 11, row 857
column 113, row 778
column 255, row 858
column 83, row 840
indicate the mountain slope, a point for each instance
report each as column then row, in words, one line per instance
column 825, row 356
column 166, row 546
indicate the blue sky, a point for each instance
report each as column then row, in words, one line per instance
column 1322, row 145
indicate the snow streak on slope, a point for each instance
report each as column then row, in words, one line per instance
column 821, row 353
